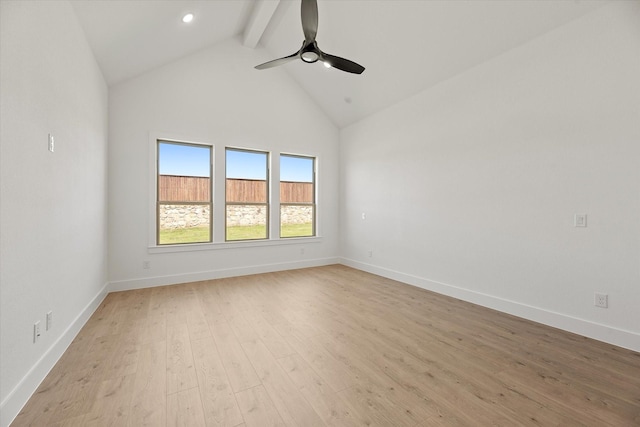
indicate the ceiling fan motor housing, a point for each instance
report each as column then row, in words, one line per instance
column 310, row 52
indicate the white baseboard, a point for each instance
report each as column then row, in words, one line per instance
column 149, row 282
column 597, row 331
column 18, row 397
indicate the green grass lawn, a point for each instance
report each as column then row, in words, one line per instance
column 184, row 235
column 201, row 234
column 247, row 232
column 296, row 230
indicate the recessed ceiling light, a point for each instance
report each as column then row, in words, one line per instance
column 187, row 18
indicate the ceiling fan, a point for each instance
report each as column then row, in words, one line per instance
column 310, row 52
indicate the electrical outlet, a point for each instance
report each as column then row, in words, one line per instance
column 36, row 331
column 51, row 143
column 49, row 320
column 301, row 251
column 146, row 264
column 601, row 300
column 364, row 215
column 369, row 254
column 580, row 220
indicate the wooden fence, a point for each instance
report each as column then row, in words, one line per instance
column 246, row 191
column 173, row 188
column 296, row 192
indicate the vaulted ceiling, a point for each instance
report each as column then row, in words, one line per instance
column 406, row 46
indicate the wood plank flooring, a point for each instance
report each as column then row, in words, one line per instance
column 327, row 346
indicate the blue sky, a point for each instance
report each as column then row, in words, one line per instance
column 189, row 160
column 298, row 169
column 185, row 160
column 246, row 165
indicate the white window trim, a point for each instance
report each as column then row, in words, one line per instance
column 219, row 207
column 154, row 137
column 193, row 247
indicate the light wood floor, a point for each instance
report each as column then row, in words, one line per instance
column 327, row 346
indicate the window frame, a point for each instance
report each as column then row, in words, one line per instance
column 267, row 205
column 313, row 204
column 218, row 187
column 158, row 202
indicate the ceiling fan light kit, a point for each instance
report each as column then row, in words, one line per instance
column 310, row 52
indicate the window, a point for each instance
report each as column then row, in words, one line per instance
column 247, row 195
column 189, row 205
column 297, row 196
column 184, row 202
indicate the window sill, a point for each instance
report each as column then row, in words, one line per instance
column 192, row 247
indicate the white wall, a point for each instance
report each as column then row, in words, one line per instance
column 53, row 205
column 470, row 188
column 213, row 96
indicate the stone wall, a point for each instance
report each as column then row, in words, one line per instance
column 184, row 216
column 296, row 214
column 246, row 215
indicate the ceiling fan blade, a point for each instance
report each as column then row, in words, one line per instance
column 277, row 62
column 341, row 63
column 309, row 12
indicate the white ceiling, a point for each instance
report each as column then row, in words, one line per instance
column 406, row 46
column 130, row 37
